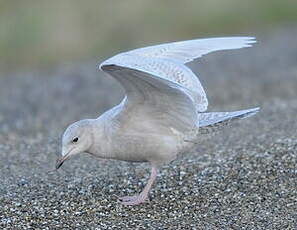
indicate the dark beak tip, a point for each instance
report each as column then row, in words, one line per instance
column 59, row 163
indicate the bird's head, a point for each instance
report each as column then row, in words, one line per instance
column 77, row 138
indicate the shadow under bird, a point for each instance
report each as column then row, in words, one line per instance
column 163, row 112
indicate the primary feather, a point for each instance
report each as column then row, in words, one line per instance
column 186, row 51
column 214, row 121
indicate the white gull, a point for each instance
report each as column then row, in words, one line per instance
column 163, row 111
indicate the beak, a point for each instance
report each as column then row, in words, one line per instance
column 61, row 160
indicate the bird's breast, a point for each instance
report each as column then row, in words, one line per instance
column 142, row 147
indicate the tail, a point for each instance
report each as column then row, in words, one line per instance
column 212, row 122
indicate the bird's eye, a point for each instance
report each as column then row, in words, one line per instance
column 75, row 140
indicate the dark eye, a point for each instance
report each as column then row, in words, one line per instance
column 75, row 140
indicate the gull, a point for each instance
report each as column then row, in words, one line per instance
column 163, row 112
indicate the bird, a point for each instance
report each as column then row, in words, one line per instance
column 163, row 113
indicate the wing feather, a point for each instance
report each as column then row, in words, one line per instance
column 158, row 83
column 155, row 98
column 214, row 121
column 166, row 69
column 186, row 51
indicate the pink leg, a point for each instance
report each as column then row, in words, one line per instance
column 143, row 196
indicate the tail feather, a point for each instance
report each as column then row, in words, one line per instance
column 211, row 122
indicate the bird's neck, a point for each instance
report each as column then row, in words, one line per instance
column 101, row 137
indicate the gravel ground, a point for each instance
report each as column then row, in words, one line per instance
column 245, row 177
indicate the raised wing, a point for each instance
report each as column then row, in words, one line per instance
column 153, row 98
column 167, row 61
column 166, row 69
column 186, row 51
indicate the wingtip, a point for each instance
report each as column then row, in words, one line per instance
column 256, row 109
column 252, row 111
column 251, row 40
column 247, row 39
column 241, row 41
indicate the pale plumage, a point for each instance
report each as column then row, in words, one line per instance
column 211, row 122
column 161, row 113
column 167, row 61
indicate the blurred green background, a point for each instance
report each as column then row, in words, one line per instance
column 44, row 33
